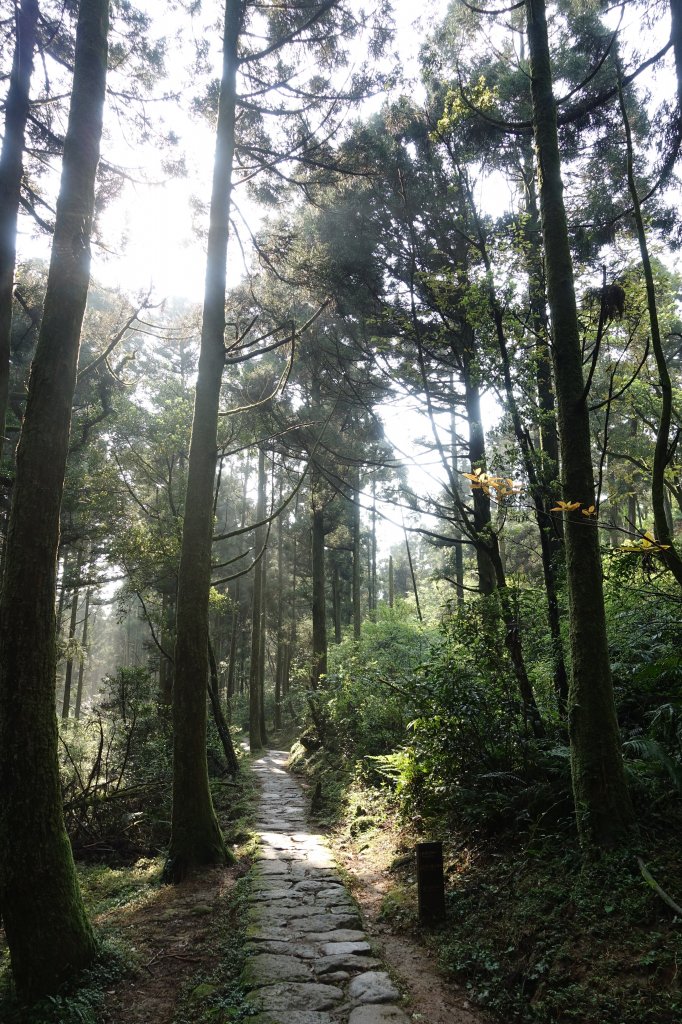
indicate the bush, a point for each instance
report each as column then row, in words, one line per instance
column 371, row 691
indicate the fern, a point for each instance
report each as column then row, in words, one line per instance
column 645, row 748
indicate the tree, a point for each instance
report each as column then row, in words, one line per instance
column 48, row 933
column 11, row 167
column 603, row 808
column 195, row 836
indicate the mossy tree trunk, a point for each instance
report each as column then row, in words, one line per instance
column 11, row 171
column 48, row 933
column 195, row 836
column 603, row 808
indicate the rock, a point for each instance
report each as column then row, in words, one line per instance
column 266, row 968
column 345, row 948
column 344, row 962
column 283, row 947
column 338, row 935
column 270, row 867
column 334, row 897
column 373, row 987
column 291, row 1017
column 295, row 996
column 326, row 922
column 378, row 1015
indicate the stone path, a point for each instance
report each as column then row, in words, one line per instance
column 309, row 958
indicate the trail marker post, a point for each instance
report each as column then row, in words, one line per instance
column 430, row 882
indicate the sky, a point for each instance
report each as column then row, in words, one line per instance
column 152, row 226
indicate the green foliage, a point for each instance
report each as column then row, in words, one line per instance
column 472, row 756
column 578, row 942
column 82, row 1001
column 371, row 693
column 116, row 770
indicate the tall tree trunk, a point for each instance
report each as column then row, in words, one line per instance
column 234, row 633
column 373, row 554
column 11, row 171
column 81, row 664
column 195, row 834
column 291, row 646
column 391, row 582
column 255, row 733
column 486, row 539
column 676, row 36
column 357, row 563
column 237, row 612
column 319, row 609
column 62, row 593
column 279, row 657
column 546, row 486
column 166, row 668
column 412, row 575
column 48, row 934
column 261, row 653
column 662, row 451
column 336, row 603
column 221, row 725
column 488, row 554
column 454, row 462
column 603, row 808
column 68, row 676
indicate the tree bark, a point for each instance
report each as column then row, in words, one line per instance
column 261, row 654
column 546, row 485
column 255, row 733
column 319, row 603
column 68, row 676
column 357, row 563
column 11, row 172
column 48, row 933
column 195, row 835
column 603, row 809
column 218, row 716
column 486, row 539
column 81, row 665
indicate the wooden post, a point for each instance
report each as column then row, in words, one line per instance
column 430, row 882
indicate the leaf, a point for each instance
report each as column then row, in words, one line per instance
column 566, row 506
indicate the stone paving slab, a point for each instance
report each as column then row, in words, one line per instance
column 307, row 995
column 309, row 961
column 377, row 1015
column 291, row 1017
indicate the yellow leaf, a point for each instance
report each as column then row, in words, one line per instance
column 566, row 506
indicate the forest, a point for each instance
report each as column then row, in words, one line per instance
column 340, row 511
